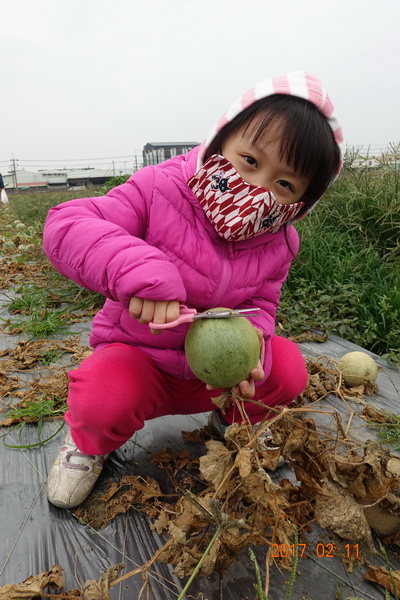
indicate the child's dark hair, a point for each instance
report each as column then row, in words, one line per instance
column 307, row 142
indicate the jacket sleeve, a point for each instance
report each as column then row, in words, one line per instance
column 267, row 299
column 99, row 243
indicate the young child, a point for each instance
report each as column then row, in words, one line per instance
column 209, row 228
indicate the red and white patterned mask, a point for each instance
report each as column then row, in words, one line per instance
column 238, row 210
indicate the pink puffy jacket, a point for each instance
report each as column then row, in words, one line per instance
column 150, row 238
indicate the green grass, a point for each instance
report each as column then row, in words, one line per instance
column 346, row 278
column 389, row 431
column 48, row 302
column 37, row 412
column 46, row 310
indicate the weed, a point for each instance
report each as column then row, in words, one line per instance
column 293, row 571
column 39, row 443
column 37, row 412
column 258, row 587
column 27, row 297
column 112, row 183
column 389, row 431
column 52, row 356
column 43, row 323
column 390, row 571
column 48, row 308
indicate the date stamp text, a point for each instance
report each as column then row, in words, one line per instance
column 320, row 550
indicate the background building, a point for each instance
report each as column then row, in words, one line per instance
column 64, row 177
column 156, row 152
column 22, row 179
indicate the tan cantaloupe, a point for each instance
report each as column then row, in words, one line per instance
column 357, row 368
column 382, row 521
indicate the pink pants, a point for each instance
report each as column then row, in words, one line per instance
column 119, row 387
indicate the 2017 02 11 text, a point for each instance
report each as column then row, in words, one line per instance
column 321, row 550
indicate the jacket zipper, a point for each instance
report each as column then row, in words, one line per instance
column 226, row 275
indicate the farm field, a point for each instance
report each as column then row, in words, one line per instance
column 45, row 326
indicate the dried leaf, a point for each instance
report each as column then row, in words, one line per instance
column 374, row 414
column 270, row 458
column 295, row 440
column 161, row 522
column 258, row 488
column 33, row 586
column 216, row 464
column 223, row 401
column 99, row 509
column 337, row 510
column 215, row 554
column 184, row 557
column 382, row 576
column 177, row 533
column 198, row 435
column 243, row 462
column 100, row 590
column 175, row 461
column 189, row 518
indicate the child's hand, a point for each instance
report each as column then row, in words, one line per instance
column 157, row 311
column 246, row 388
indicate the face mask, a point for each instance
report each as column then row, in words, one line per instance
column 236, row 209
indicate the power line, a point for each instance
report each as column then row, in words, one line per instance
column 64, row 160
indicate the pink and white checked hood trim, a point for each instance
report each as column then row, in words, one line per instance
column 297, row 83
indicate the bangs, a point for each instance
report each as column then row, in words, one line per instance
column 306, row 139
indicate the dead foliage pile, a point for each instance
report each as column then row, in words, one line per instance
column 334, row 477
column 228, row 491
column 35, row 270
column 34, row 586
column 26, row 375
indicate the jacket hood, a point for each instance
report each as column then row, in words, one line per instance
column 297, row 83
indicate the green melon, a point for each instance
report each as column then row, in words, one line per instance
column 222, row 352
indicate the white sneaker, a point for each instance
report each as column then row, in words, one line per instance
column 73, row 475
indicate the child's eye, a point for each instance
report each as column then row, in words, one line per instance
column 252, row 161
column 285, row 184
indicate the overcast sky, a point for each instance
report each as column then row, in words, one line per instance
column 91, row 79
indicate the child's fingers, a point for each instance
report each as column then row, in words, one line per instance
column 160, row 315
column 135, row 307
column 160, row 311
column 156, row 331
column 258, row 373
column 260, row 334
column 147, row 313
column 166, row 312
column 142, row 310
column 172, row 311
column 247, row 388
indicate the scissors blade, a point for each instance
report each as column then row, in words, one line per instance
column 225, row 314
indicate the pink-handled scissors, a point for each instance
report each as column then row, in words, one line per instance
column 188, row 315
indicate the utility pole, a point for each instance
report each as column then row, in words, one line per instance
column 14, row 173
